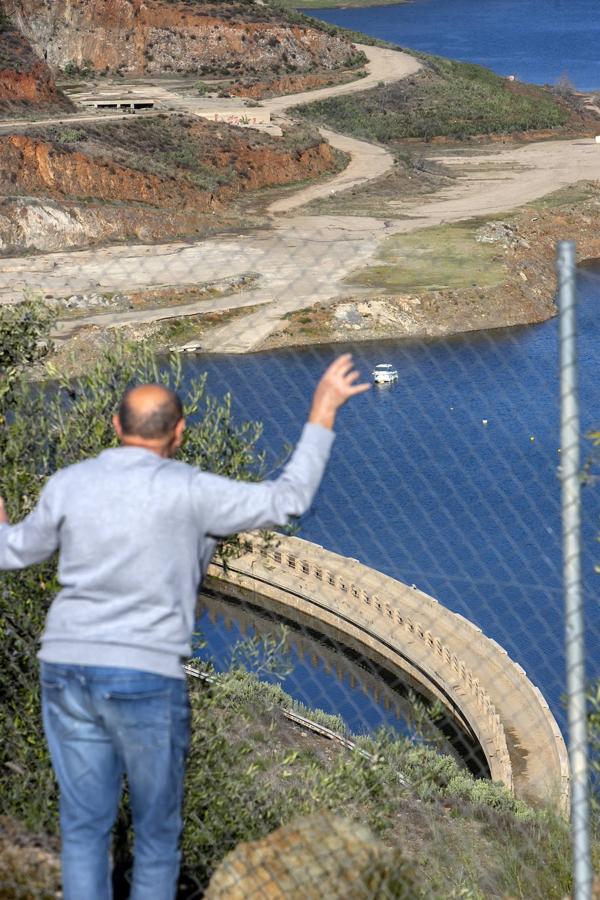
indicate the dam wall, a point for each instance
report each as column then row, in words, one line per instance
column 481, row 688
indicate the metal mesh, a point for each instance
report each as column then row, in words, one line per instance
column 364, row 687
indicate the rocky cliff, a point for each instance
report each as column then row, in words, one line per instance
column 26, row 81
column 146, row 179
column 154, row 36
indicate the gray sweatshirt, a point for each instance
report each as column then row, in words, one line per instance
column 136, row 533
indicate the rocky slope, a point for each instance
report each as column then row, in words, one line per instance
column 147, row 179
column 26, row 82
column 154, row 36
column 260, row 89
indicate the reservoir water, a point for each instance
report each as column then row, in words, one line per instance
column 536, row 40
column 316, row 666
column 422, row 489
column 419, row 487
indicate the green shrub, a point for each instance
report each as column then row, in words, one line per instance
column 447, row 99
column 24, row 329
column 71, row 135
column 79, row 70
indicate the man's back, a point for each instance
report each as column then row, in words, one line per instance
column 131, row 544
column 136, row 532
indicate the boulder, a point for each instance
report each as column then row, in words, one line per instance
column 311, row 858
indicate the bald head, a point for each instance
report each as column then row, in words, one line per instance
column 150, row 412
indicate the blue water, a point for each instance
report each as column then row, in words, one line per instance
column 305, row 676
column 421, row 489
column 536, row 40
column 322, row 673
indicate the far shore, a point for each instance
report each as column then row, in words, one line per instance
column 309, row 5
column 341, row 243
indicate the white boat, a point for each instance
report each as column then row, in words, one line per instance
column 384, row 373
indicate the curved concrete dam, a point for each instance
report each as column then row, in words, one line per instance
column 451, row 660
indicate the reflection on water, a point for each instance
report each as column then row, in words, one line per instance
column 329, row 671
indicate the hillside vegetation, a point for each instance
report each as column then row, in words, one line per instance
column 445, row 98
column 201, row 154
column 251, row 771
column 148, row 177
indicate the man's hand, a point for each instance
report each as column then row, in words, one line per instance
column 3, row 516
column 335, row 387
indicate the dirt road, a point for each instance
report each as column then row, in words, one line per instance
column 501, row 178
column 305, row 259
column 496, row 180
column 383, row 66
column 367, row 161
column 299, row 263
column 69, row 327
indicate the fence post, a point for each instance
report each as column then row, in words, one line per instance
column 571, row 530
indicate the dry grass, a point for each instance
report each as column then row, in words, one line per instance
column 29, row 864
column 440, row 258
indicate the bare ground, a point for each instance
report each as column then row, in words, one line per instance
column 305, row 260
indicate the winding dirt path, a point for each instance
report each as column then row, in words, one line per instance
column 501, row 178
column 305, row 259
column 287, row 258
column 498, row 179
column 383, row 66
column 367, row 161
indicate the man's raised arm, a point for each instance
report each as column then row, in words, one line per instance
column 227, row 506
column 30, row 541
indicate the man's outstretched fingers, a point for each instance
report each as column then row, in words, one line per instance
column 351, row 375
column 360, row 388
column 336, row 386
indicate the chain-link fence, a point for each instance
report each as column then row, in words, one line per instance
column 379, row 699
column 382, row 697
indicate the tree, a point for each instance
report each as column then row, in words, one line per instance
column 563, row 86
column 24, row 340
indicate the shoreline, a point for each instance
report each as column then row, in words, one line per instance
column 524, row 295
column 344, row 4
column 306, row 264
column 544, row 226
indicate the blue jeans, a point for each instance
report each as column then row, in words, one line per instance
column 100, row 724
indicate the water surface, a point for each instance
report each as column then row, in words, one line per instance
column 421, row 489
column 449, row 479
column 536, row 40
column 320, row 670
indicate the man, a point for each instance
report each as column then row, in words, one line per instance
column 135, row 532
